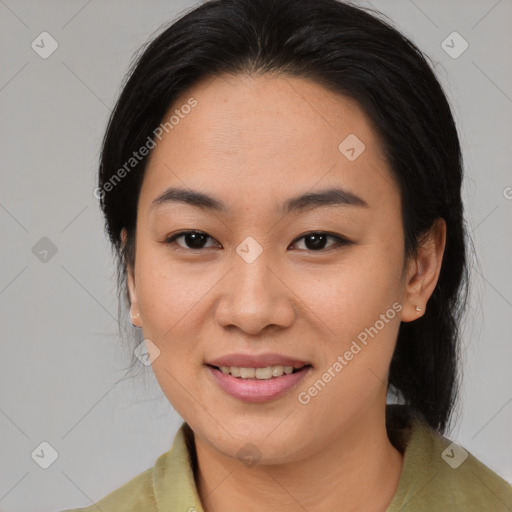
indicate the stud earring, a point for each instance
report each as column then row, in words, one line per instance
column 418, row 308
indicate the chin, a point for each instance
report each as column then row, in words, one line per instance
column 262, row 445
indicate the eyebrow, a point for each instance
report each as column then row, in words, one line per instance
column 308, row 201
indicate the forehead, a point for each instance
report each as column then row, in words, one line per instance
column 258, row 137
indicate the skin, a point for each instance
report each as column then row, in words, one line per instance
column 253, row 142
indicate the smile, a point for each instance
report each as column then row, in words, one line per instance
column 265, row 373
column 257, row 384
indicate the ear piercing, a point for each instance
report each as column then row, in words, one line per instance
column 135, row 316
column 418, row 308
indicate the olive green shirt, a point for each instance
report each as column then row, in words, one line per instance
column 437, row 476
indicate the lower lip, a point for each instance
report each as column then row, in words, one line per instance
column 256, row 390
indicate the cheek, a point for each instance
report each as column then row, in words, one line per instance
column 360, row 322
column 359, row 308
column 353, row 294
column 167, row 294
column 169, row 300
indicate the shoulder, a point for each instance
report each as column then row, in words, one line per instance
column 440, row 475
column 170, row 482
column 462, row 481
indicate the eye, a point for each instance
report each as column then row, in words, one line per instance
column 314, row 241
column 193, row 239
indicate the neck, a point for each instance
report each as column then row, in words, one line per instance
column 359, row 469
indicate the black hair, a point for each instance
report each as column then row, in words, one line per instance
column 354, row 53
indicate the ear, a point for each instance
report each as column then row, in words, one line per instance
column 130, row 281
column 423, row 271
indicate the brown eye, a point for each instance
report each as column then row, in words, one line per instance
column 193, row 240
column 314, row 242
column 317, row 241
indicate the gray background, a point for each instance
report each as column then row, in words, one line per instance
column 62, row 358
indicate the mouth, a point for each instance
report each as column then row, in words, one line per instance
column 261, row 384
column 261, row 373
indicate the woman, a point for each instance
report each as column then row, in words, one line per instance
column 281, row 182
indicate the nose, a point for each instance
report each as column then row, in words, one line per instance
column 254, row 297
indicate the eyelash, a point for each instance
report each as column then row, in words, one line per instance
column 341, row 241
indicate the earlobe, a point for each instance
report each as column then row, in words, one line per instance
column 130, row 283
column 134, row 307
column 423, row 272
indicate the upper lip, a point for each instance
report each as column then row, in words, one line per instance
column 257, row 360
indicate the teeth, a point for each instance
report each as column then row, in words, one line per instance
column 263, row 373
column 257, row 373
column 247, row 373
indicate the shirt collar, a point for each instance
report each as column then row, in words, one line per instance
column 173, row 477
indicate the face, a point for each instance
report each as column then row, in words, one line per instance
column 319, row 285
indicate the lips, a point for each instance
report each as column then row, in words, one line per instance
column 257, row 361
column 254, row 390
